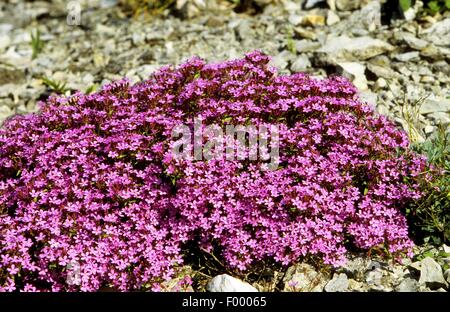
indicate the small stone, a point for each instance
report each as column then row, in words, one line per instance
column 428, row 129
column 351, row 49
column 227, row 283
column 447, row 275
column 10, row 74
column 410, row 14
column 301, row 63
column 303, row 277
column 306, row 46
column 295, row 19
column 431, row 274
column 313, row 20
column 446, row 248
column 436, row 105
column 281, row 60
column 354, row 72
column 338, row 283
column 439, row 33
column 408, row 285
column 332, row 18
column 409, row 56
column 381, row 71
column 347, row 5
column 304, row 33
column 411, row 40
column 381, row 83
column 312, row 3
column 440, row 117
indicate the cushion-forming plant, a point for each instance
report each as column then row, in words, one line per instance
column 91, row 179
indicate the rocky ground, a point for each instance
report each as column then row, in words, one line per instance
column 401, row 67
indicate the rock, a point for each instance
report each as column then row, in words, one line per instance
column 446, row 248
column 338, row 283
column 303, row 277
column 368, row 97
column 332, row 18
column 428, row 129
column 381, row 83
column 435, row 105
column 5, row 40
column 408, row 285
column 312, row 3
column 381, row 71
column 410, row 14
column 306, row 45
column 313, row 20
column 447, row 275
column 5, row 112
column 435, row 52
column 351, row 49
column 407, row 57
column 411, row 40
column 354, row 72
column 376, row 282
column 295, row 19
column 108, row 3
column 355, row 267
column 347, row 5
column 439, row 33
column 305, row 33
column 431, row 274
column 227, row 283
column 440, row 117
column 281, row 60
column 354, row 285
column 301, row 63
column 11, row 75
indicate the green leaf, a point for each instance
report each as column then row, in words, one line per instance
column 434, row 7
column 447, row 4
column 405, row 5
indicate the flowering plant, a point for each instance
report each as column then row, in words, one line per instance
column 91, row 179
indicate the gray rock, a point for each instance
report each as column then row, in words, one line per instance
column 11, row 75
column 411, row 40
column 440, row 117
column 303, row 277
column 355, row 72
column 431, row 274
column 381, row 71
column 227, row 283
column 295, row 19
column 447, row 275
column 338, row 283
column 439, row 33
column 312, row 3
column 408, row 285
column 346, row 5
column 306, row 45
column 332, row 18
column 435, row 105
column 301, row 63
column 351, row 49
column 281, row 60
column 408, row 56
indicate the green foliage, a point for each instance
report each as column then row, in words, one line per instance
column 36, row 43
column 429, row 217
column 405, row 4
column 54, row 85
column 436, row 6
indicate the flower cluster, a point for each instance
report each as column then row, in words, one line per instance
column 91, row 179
